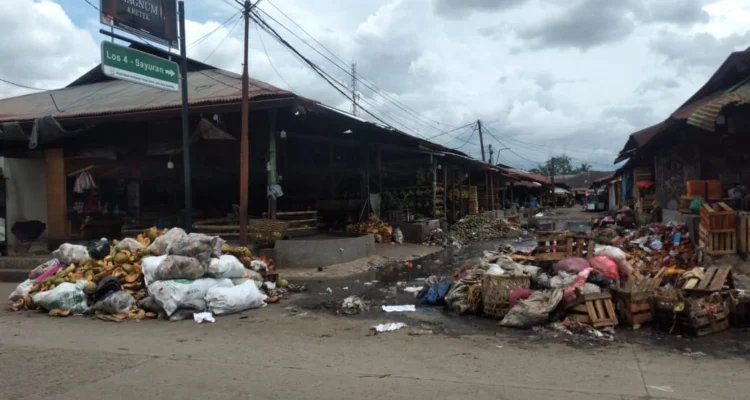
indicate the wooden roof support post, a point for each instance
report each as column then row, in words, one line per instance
column 272, row 173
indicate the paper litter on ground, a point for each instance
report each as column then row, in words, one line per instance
column 412, row 289
column 393, row 326
column 203, row 317
column 404, row 308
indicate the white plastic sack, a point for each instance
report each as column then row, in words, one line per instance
column 611, row 252
column 223, row 300
column 398, row 236
column 21, row 290
column 66, row 296
column 225, row 266
column 495, row 269
column 70, row 253
column 160, row 244
column 129, row 244
column 36, row 272
column 149, row 266
column 533, row 311
column 116, row 303
column 171, row 294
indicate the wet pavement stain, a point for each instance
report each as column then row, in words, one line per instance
column 384, row 285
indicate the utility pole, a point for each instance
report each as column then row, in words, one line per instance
column 185, row 122
column 481, row 139
column 244, row 140
column 491, row 155
column 355, row 96
column 552, row 178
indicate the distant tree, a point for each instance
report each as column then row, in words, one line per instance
column 555, row 166
column 584, row 167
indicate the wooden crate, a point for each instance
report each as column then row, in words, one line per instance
column 715, row 279
column 552, row 246
column 704, row 318
column 718, row 241
column 642, row 174
column 685, row 204
column 739, row 307
column 665, row 304
column 595, row 309
column 718, row 216
column 580, row 246
column 743, row 233
column 633, row 308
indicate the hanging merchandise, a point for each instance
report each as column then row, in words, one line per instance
column 84, row 182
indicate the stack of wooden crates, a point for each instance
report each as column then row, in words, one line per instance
column 718, row 229
column 646, row 196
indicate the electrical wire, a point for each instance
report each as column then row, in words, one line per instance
column 450, row 131
column 345, row 70
column 363, row 80
column 204, row 37
column 312, row 65
column 330, row 79
column 49, row 91
column 260, row 37
column 229, row 33
column 466, row 142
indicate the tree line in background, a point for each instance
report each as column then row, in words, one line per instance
column 561, row 165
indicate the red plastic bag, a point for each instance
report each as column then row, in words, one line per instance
column 519, row 294
column 605, row 266
column 572, row 265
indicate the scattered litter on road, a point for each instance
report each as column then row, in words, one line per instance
column 204, row 317
column 667, row 389
column 393, row 326
column 412, row 289
column 421, row 332
column 403, row 308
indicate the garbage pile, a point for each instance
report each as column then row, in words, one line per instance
column 479, row 228
column 649, row 275
column 165, row 274
column 382, row 231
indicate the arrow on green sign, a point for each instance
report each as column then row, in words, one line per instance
column 135, row 66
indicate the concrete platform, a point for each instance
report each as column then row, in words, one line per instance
column 17, row 268
column 384, row 253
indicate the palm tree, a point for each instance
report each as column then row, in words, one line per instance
column 585, row 167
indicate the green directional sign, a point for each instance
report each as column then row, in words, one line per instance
column 138, row 67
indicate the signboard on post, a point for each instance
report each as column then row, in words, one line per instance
column 154, row 20
column 124, row 63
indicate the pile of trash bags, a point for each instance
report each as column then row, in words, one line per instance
column 480, row 228
column 549, row 291
column 167, row 274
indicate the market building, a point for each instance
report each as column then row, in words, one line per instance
column 103, row 157
column 705, row 139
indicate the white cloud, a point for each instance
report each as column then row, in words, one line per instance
column 602, row 73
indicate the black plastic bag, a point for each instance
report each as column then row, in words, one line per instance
column 98, row 249
column 107, row 286
column 599, row 280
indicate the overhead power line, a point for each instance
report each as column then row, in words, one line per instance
column 330, row 80
column 260, row 37
column 204, row 37
column 229, row 33
column 343, row 66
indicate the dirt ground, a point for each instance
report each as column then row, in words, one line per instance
column 285, row 352
column 301, row 348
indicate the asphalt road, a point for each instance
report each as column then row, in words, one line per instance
column 274, row 354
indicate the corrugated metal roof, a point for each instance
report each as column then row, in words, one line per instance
column 640, row 139
column 117, row 96
column 703, row 113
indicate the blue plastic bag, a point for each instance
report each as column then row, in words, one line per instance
column 436, row 293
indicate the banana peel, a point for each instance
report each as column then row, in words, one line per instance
column 59, row 313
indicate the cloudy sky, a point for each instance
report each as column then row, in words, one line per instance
column 547, row 77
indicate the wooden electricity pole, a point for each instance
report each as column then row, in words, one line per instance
column 244, row 140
